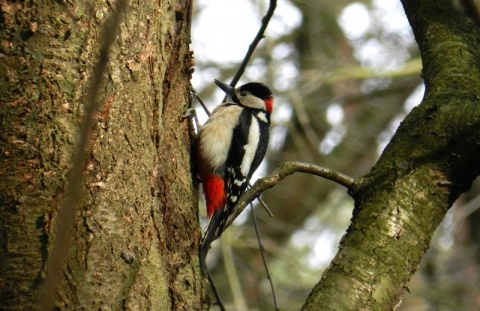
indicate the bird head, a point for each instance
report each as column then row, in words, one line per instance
column 253, row 95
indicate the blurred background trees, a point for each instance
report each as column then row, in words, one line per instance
column 344, row 75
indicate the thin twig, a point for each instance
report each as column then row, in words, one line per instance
column 265, row 206
column 256, row 40
column 283, row 170
column 215, row 292
column 262, row 253
column 205, row 108
column 73, row 194
column 232, row 274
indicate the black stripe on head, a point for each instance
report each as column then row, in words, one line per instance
column 257, row 89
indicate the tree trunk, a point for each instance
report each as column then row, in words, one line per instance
column 431, row 160
column 135, row 238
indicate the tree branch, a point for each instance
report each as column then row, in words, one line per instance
column 433, row 157
column 256, row 40
column 283, row 170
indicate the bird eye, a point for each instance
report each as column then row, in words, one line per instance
column 243, row 93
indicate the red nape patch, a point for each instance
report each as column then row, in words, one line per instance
column 269, row 104
column 214, row 195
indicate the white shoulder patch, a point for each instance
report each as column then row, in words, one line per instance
column 250, row 147
column 262, row 116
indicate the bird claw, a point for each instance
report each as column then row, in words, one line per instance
column 190, row 112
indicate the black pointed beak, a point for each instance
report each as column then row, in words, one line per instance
column 230, row 91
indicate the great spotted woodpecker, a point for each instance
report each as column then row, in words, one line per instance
column 230, row 147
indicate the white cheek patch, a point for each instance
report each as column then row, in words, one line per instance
column 252, row 102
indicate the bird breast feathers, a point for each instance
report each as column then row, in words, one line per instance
column 220, row 129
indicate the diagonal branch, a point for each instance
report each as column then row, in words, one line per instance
column 283, row 170
column 256, row 40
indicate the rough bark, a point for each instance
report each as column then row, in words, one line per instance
column 433, row 158
column 135, row 237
